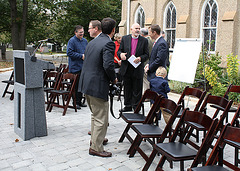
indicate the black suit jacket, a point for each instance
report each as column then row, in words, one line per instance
column 158, row 57
column 98, row 67
column 141, row 51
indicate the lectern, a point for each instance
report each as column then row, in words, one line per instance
column 29, row 104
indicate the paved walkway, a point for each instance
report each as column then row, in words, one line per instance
column 66, row 146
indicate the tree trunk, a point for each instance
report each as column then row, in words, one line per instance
column 18, row 25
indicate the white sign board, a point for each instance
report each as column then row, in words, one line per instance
column 184, row 60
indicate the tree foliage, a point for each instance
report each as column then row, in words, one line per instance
column 80, row 12
column 53, row 18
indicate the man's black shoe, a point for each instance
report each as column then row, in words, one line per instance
column 82, row 105
column 78, row 107
column 126, row 109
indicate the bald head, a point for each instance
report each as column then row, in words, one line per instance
column 135, row 29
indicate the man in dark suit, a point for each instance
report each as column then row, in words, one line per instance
column 132, row 44
column 159, row 54
column 97, row 73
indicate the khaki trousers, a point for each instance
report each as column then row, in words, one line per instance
column 146, row 84
column 99, row 121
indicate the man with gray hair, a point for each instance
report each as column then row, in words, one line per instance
column 144, row 33
column 133, row 45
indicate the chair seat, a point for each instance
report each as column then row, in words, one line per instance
column 195, row 125
column 232, row 109
column 60, row 91
column 47, row 88
column 177, row 150
column 148, row 130
column 233, row 143
column 209, row 168
column 133, row 117
column 8, row 82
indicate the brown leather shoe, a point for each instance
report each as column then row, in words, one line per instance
column 89, row 133
column 100, row 154
column 105, row 141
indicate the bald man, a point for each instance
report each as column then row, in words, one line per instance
column 133, row 45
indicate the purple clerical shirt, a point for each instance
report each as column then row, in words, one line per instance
column 134, row 46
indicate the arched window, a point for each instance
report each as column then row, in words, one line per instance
column 140, row 16
column 209, row 24
column 170, row 24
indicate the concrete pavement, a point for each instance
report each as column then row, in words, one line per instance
column 66, row 146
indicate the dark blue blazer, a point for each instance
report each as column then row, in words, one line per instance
column 160, row 85
column 159, row 54
column 98, row 67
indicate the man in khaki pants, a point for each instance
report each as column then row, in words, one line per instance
column 97, row 73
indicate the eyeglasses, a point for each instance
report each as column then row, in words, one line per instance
column 90, row 28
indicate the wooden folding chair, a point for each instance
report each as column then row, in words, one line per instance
column 136, row 117
column 235, row 123
column 229, row 136
column 50, row 83
column 9, row 82
column 149, row 130
column 191, row 92
column 231, row 89
column 184, row 148
column 65, row 88
column 223, row 103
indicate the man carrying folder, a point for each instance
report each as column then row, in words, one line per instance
column 133, row 46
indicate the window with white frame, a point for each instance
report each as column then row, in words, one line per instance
column 170, row 24
column 140, row 16
column 209, row 24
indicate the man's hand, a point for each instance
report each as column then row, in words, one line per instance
column 146, row 68
column 119, row 62
column 83, row 57
column 115, row 81
column 137, row 60
column 123, row 56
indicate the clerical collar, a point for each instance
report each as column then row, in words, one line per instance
column 135, row 37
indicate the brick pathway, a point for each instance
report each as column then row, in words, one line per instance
column 66, row 146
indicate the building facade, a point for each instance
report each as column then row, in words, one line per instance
column 217, row 22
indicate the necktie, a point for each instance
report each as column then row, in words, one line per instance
column 154, row 43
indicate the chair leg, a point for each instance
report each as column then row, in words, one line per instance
column 5, row 91
column 12, row 96
column 136, row 143
column 236, row 161
column 197, row 136
column 150, row 160
column 50, row 106
column 181, row 165
column 124, row 133
column 161, row 162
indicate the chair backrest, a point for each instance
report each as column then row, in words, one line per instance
column 235, row 121
column 222, row 103
column 148, row 94
column 67, row 81
column 215, row 100
column 185, row 136
column 195, row 92
column 51, row 79
column 230, row 136
column 61, row 67
column 168, row 106
column 232, row 88
column 172, row 108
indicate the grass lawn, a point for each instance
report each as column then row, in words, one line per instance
column 5, row 64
